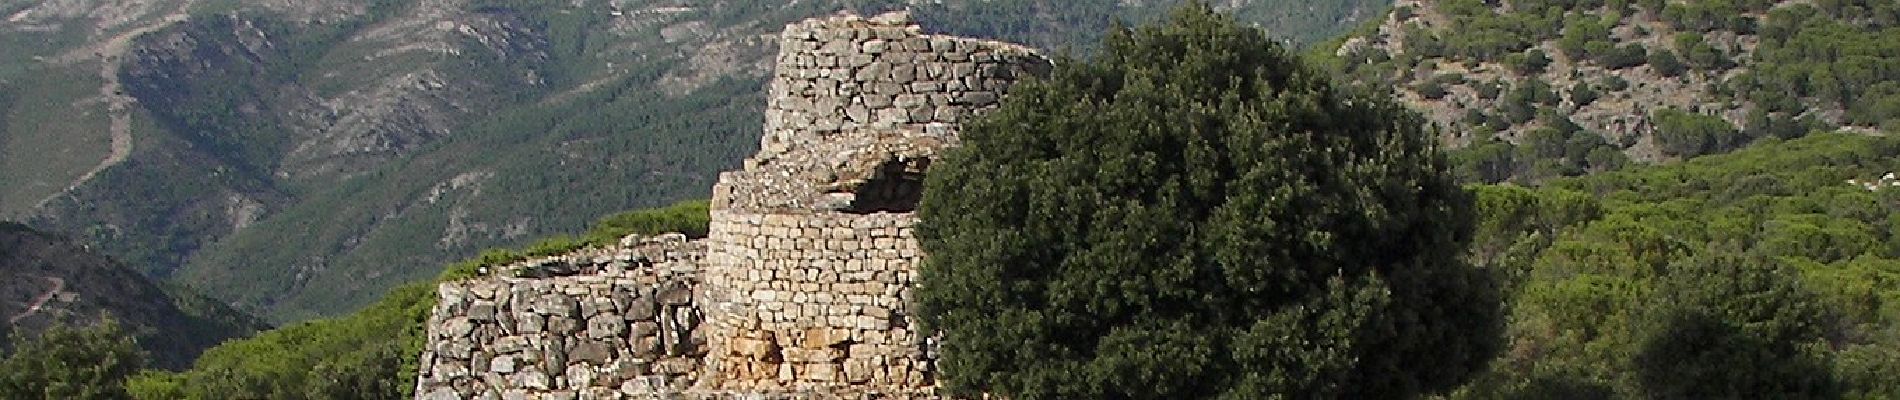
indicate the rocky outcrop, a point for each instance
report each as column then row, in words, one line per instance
column 802, row 288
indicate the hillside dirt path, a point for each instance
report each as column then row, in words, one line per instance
column 111, row 54
column 34, row 308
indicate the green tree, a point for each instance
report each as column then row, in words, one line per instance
column 1729, row 327
column 1688, row 134
column 1666, row 63
column 1486, row 162
column 1699, row 53
column 1527, row 63
column 71, row 363
column 1582, row 95
column 1622, row 57
column 1431, row 89
column 1194, row 213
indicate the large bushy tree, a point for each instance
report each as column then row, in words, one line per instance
column 1730, row 327
column 66, row 362
column 1194, row 213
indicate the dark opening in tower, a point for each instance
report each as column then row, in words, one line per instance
column 896, row 186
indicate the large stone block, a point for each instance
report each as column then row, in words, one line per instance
column 592, row 351
column 604, row 326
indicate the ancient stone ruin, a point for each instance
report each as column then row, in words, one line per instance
column 801, row 290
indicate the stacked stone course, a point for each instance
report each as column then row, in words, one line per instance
column 851, row 94
column 803, row 287
column 842, row 75
column 815, row 302
column 630, row 329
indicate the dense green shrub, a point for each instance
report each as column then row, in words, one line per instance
column 1621, row 57
column 1686, row 134
column 1879, row 106
column 1528, row 63
column 371, row 354
column 1520, row 104
column 1665, row 282
column 1614, row 83
column 1580, row 32
column 1491, row 161
column 1582, row 95
column 63, row 362
column 1729, row 326
column 1666, row 63
column 1699, row 53
column 1544, row 142
column 1488, row 90
column 1193, row 213
column 1439, row 86
column 1431, row 89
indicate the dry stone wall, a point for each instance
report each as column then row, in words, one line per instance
column 801, row 290
column 815, row 302
column 630, row 329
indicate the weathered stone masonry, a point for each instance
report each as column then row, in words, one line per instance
column 627, row 328
column 802, row 288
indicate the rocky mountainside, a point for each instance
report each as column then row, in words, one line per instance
column 300, row 158
column 54, row 281
column 1582, row 86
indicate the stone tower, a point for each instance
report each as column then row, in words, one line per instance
column 802, row 288
column 811, row 259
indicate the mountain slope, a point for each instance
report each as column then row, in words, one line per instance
column 51, row 280
column 1547, row 89
column 63, row 119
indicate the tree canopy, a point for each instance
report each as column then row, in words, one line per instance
column 1734, row 327
column 63, row 362
column 1769, row 272
column 1195, row 213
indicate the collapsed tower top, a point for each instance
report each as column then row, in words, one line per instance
column 858, row 107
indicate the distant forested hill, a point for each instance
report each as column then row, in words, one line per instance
column 50, row 281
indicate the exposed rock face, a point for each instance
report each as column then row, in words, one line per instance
column 802, row 288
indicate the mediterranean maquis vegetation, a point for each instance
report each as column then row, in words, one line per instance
column 1194, row 213
column 1191, row 207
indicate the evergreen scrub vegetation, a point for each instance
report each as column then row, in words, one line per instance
column 1195, row 213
